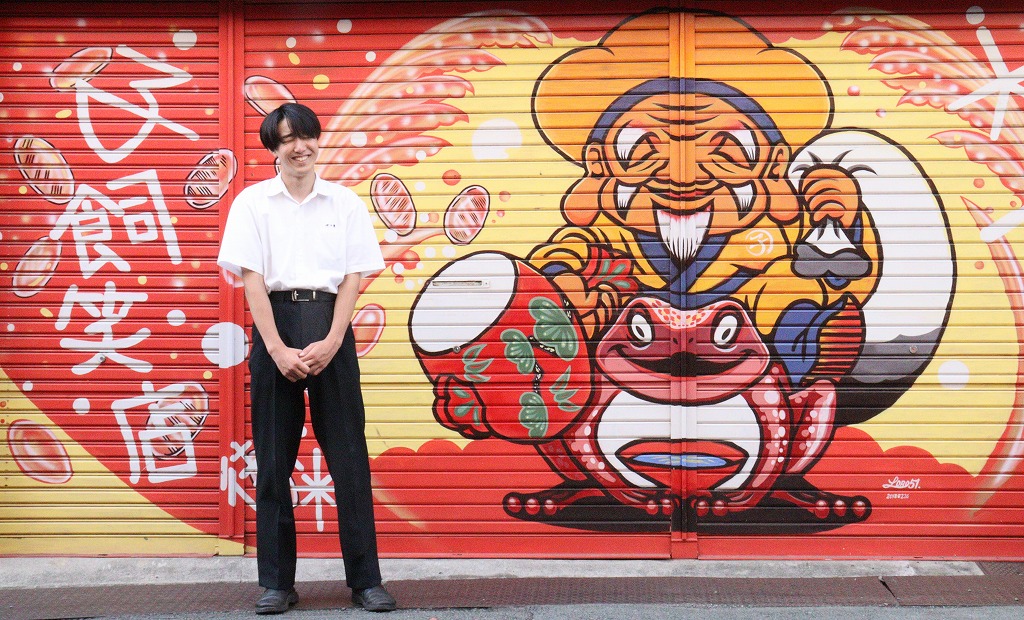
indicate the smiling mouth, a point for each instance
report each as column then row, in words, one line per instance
column 682, row 364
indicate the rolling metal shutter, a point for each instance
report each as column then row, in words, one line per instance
column 724, row 281
column 426, row 112
column 112, row 340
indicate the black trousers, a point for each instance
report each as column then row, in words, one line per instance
column 338, row 418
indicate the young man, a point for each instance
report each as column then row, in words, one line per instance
column 301, row 245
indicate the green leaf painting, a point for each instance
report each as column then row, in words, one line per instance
column 518, row 350
column 563, row 394
column 612, row 271
column 475, row 367
column 468, row 405
column 534, row 415
column 553, row 328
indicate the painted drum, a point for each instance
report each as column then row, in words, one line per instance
column 507, row 357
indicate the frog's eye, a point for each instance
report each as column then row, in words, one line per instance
column 640, row 329
column 727, row 329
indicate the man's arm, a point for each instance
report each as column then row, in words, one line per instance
column 318, row 354
column 287, row 359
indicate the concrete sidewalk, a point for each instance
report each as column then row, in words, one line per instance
column 457, row 589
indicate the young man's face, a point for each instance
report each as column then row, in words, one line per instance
column 296, row 156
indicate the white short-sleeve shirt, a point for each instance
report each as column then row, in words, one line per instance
column 309, row 245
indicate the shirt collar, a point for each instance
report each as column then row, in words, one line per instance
column 277, row 187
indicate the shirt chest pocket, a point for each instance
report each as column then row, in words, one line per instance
column 329, row 246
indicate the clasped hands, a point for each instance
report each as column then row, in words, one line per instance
column 297, row 364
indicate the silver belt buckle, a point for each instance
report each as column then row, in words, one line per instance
column 295, row 296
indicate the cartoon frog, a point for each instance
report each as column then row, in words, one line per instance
column 741, row 424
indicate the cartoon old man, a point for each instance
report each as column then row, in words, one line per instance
column 689, row 178
column 722, row 251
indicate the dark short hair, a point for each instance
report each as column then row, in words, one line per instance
column 301, row 119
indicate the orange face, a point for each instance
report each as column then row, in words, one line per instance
column 727, row 173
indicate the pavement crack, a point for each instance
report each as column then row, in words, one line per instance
column 885, row 585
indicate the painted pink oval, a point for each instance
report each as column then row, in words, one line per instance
column 82, row 65
column 36, row 268
column 38, row 453
column 45, row 169
column 266, row 95
column 393, row 203
column 368, row 326
column 466, row 215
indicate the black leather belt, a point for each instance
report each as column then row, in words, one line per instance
column 302, row 295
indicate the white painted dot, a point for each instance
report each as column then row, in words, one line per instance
column 954, row 375
column 430, row 252
column 176, row 318
column 371, row 56
column 390, row 236
column 185, row 39
column 16, row 66
column 420, row 186
column 290, row 42
column 1, row 97
column 358, row 139
column 10, row 327
column 224, row 344
column 448, row 251
column 27, row 386
column 771, row 397
column 398, row 268
column 975, row 15
column 81, row 406
column 344, row 26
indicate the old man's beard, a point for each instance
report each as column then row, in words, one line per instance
column 683, row 234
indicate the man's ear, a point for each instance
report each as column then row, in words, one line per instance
column 778, row 161
column 783, row 206
column 593, row 160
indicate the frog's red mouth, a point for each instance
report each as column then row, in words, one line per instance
column 682, row 364
column 655, row 459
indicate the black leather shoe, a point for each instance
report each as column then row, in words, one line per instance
column 276, row 601
column 374, row 599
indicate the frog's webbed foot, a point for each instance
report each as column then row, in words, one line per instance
column 822, row 506
column 654, row 501
column 544, row 504
column 717, row 504
column 828, row 506
column 548, row 504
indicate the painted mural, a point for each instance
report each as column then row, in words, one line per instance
column 757, row 279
